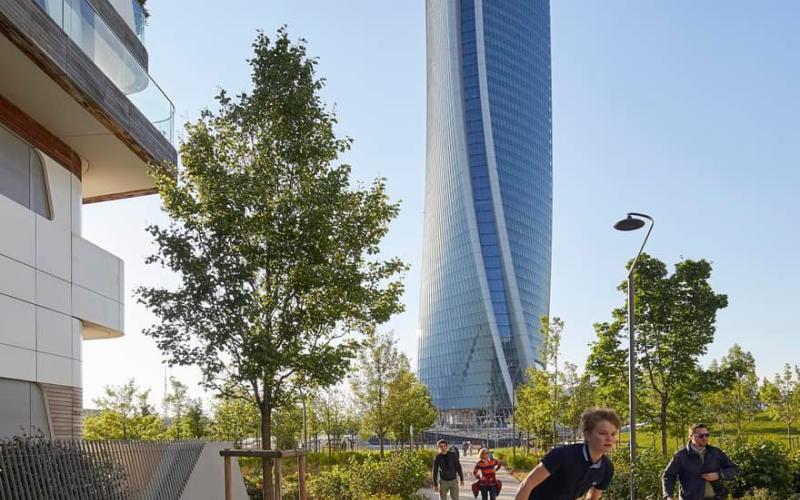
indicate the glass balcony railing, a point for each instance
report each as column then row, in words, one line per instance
column 139, row 19
column 88, row 30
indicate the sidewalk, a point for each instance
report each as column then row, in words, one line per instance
column 510, row 484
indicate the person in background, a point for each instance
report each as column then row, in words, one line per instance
column 699, row 467
column 447, row 473
column 576, row 470
column 484, row 472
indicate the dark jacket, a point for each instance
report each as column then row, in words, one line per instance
column 686, row 466
column 448, row 465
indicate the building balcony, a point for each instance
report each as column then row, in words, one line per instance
column 83, row 78
column 97, row 293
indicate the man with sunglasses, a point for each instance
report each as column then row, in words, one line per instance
column 699, row 467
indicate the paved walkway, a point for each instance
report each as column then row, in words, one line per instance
column 510, row 484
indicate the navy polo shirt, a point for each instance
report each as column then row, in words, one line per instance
column 572, row 473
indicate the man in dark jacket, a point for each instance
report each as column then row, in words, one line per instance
column 699, row 467
column 447, row 472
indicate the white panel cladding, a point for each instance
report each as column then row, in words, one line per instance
column 77, row 373
column 19, row 231
column 53, row 245
column 17, row 363
column 96, row 269
column 121, row 290
column 53, row 293
column 17, row 323
column 18, row 280
column 77, row 344
column 95, row 308
column 52, row 369
column 53, row 332
column 76, row 201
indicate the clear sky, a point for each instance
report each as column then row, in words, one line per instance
column 684, row 110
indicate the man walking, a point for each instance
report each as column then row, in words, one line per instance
column 699, row 467
column 447, row 473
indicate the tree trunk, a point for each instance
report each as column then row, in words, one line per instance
column 267, row 489
column 380, row 438
column 663, row 419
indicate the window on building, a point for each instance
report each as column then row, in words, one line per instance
column 22, row 174
column 22, row 409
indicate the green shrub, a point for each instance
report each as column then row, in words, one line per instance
column 650, row 465
column 400, row 474
column 397, row 477
column 794, row 467
column 759, row 494
column 331, row 482
column 426, row 455
column 763, row 465
column 523, row 461
column 322, row 459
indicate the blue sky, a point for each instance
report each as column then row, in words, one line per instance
column 683, row 110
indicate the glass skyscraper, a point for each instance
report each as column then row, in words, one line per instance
column 488, row 200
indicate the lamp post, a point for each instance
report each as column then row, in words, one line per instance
column 513, row 369
column 631, row 223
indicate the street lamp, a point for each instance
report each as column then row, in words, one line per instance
column 513, row 369
column 631, row 223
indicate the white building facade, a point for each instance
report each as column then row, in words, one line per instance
column 74, row 129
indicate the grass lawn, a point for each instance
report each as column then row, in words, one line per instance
column 761, row 428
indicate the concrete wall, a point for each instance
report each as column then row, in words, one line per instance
column 207, row 481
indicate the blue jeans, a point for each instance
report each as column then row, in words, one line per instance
column 488, row 491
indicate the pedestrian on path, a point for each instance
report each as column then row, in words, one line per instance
column 447, row 473
column 484, row 472
column 576, row 470
column 699, row 467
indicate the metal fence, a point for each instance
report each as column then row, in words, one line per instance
column 33, row 469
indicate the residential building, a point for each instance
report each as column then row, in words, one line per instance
column 80, row 122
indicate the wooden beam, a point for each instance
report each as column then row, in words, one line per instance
column 39, row 137
column 120, row 196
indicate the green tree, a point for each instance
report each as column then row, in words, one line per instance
column 607, row 367
column 235, row 419
column 782, row 397
column 196, row 422
column 409, row 404
column 125, row 413
column 176, row 404
column 379, row 362
column 675, row 323
column 276, row 251
column 733, row 387
column 332, row 408
column 551, row 330
column 535, row 409
column 288, row 426
column 313, row 419
column 580, row 394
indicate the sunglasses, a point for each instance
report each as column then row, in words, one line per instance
column 704, row 435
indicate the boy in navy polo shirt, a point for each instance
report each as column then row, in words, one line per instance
column 575, row 470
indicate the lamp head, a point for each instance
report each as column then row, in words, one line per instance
column 629, row 224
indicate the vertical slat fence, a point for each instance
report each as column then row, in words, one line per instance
column 33, row 469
